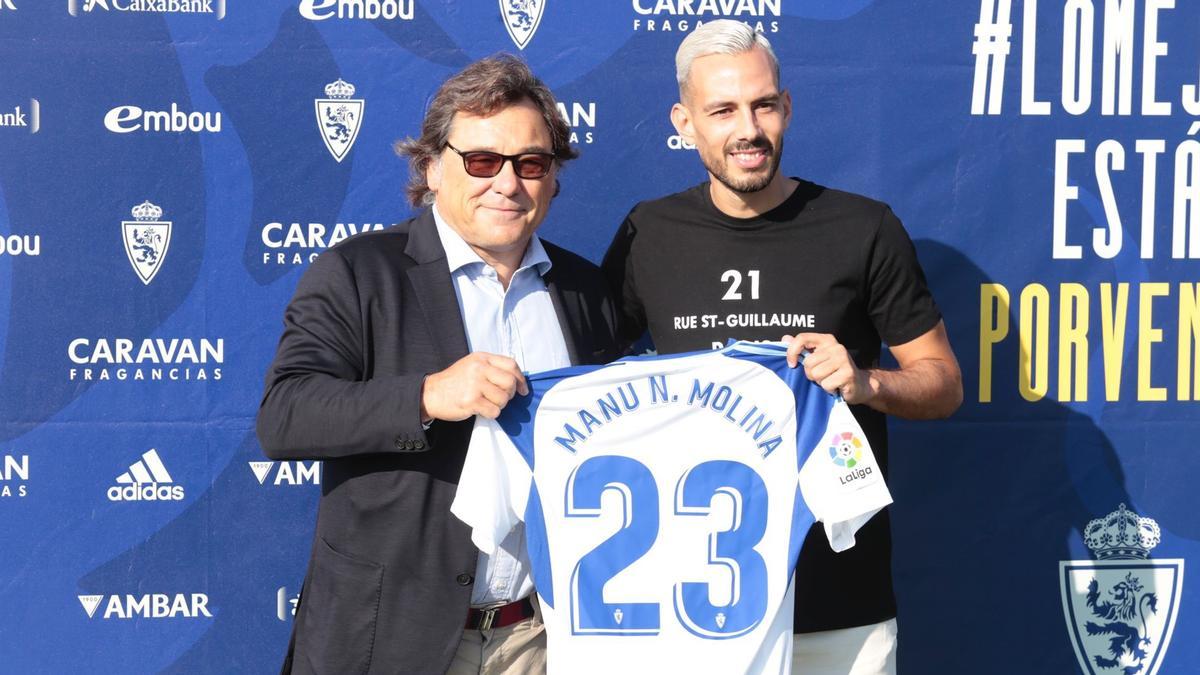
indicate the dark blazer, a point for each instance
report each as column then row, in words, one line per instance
column 390, row 575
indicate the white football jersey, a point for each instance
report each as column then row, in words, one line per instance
column 665, row 500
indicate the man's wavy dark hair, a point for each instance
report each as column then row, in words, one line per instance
column 482, row 88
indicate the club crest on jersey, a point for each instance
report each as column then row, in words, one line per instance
column 1120, row 609
column 521, row 19
column 147, row 239
column 339, row 118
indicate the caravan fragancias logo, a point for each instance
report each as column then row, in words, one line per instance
column 147, row 239
column 339, row 118
column 521, row 19
column 1121, row 608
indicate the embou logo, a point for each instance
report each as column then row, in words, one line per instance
column 320, row 10
column 1120, row 608
column 129, row 118
column 289, row 473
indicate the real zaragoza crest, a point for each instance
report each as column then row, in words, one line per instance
column 1121, row 608
column 521, row 19
column 339, row 118
column 146, row 240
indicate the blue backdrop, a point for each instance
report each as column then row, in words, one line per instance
column 1042, row 155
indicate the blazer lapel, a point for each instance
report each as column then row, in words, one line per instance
column 435, row 289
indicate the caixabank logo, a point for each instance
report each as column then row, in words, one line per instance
column 286, row 473
column 1121, row 607
column 682, row 16
column 323, row 10
column 288, row 244
column 84, row 7
column 14, row 475
column 147, row 606
column 147, row 480
column 25, row 117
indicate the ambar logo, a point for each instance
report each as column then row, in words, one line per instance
column 288, row 473
column 148, row 606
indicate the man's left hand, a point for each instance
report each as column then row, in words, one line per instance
column 829, row 365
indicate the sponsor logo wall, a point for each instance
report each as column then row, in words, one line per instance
column 170, row 168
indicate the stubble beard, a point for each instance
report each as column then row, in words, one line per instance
column 719, row 167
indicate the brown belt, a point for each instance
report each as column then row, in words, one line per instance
column 499, row 617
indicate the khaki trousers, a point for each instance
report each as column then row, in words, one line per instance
column 512, row 650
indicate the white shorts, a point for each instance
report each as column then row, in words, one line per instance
column 864, row 650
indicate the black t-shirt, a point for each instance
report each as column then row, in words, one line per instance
column 823, row 261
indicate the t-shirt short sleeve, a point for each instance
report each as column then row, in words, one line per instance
column 899, row 302
column 841, row 481
column 494, row 486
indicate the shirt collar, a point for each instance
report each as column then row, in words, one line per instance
column 459, row 253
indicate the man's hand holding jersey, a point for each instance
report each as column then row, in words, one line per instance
column 927, row 385
column 477, row 384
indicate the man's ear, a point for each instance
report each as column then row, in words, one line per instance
column 681, row 117
column 433, row 174
column 786, row 99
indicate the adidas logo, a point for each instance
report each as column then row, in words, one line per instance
column 148, row 606
column 289, row 473
column 146, row 480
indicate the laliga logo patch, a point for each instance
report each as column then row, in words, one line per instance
column 846, row 450
column 339, row 118
column 1120, row 609
column 521, row 19
column 146, row 240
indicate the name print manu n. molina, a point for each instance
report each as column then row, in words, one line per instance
column 655, row 390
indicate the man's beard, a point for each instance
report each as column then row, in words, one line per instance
column 754, row 182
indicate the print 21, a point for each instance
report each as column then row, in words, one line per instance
column 732, row 548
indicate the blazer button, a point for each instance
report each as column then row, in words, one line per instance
column 399, row 443
column 464, row 579
column 419, row 445
column 408, row 445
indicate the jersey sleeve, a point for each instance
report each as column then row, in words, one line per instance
column 841, row 482
column 494, row 486
column 899, row 302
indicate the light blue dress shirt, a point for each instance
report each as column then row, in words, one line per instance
column 521, row 323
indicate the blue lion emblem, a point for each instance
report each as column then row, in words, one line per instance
column 1127, row 606
column 520, row 13
column 147, row 244
column 339, row 120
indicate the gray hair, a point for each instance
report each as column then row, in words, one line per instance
column 723, row 36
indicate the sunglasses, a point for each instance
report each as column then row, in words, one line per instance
column 484, row 164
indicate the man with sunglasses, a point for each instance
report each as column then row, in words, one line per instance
column 752, row 254
column 393, row 343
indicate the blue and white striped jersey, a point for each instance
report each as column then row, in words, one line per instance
column 665, row 500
